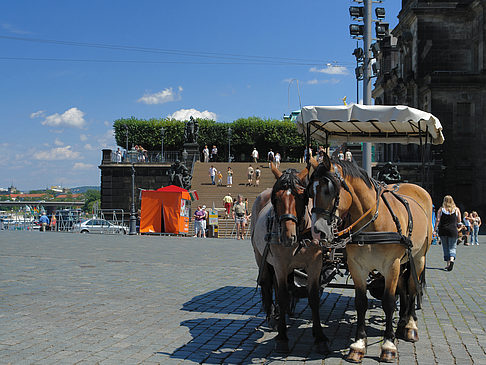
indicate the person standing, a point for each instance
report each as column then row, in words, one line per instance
column 214, row 153
column 239, row 215
column 340, row 155
column 476, row 223
column 228, row 201
column 229, row 182
column 271, row 157
column 467, row 224
column 220, row 178
column 118, row 155
column 258, row 174
column 250, row 175
column 44, row 222
column 198, row 221
column 348, row 156
column 206, row 154
column 448, row 217
column 53, row 222
column 204, row 221
column 254, row 155
column 212, row 174
column 277, row 160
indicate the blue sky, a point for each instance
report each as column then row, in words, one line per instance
column 224, row 59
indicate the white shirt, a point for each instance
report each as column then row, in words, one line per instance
column 212, row 171
column 254, row 154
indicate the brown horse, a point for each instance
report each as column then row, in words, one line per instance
column 280, row 216
column 346, row 198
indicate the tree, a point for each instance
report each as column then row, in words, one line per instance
column 90, row 197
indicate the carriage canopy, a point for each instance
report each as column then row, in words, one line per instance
column 370, row 123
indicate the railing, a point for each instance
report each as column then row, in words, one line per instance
column 133, row 156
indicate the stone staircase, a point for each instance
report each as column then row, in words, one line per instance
column 209, row 194
column 213, row 193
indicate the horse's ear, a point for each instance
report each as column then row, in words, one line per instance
column 326, row 161
column 302, row 175
column 275, row 171
column 314, row 162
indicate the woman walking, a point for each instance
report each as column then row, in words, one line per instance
column 476, row 223
column 448, row 217
column 229, row 182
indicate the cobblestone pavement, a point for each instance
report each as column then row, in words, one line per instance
column 71, row 298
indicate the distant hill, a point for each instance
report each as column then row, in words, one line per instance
column 83, row 189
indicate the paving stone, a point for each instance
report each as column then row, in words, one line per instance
column 70, row 298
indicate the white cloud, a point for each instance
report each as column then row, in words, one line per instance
column 70, row 118
column 11, row 29
column 83, row 137
column 89, row 147
column 58, row 153
column 83, row 166
column 331, row 69
column 107, row 139
column 107, row 124
column 164, row 96
column 39, row 113
column 327, row 81
column 185, row 114
column 58, row 142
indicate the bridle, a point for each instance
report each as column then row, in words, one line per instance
column 289, row 181
column 335, row 182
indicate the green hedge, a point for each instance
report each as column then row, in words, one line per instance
column 281, row 136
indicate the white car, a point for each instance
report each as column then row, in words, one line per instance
column 96, row 225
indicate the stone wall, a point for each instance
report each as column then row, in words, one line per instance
column 116, row 182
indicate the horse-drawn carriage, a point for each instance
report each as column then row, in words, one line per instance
column 311, row 227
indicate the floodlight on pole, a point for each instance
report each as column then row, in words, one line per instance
column 380, row 13
column 375, row 49
column 381, row 29
column 356, row 29
column 358, row 53
column 356, row 11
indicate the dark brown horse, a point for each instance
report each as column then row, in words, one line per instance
column 279, row 218
column 347, row 206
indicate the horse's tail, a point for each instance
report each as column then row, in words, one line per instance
column 261, row 200
column 423, row 286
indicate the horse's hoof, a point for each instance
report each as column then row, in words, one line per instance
column 272, row 323
column 412, row 335
column 388, row 355
column 282, row 347
column 323, row 348
column 355, row 356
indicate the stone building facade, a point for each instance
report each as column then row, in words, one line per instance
column 435, row 60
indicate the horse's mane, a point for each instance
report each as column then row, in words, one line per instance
column 288, row 180
column 348, row 168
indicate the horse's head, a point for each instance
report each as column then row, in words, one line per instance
column 324, row 189
column 289, row 199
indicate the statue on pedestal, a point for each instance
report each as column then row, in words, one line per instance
column 179, row 175
column 191, row 131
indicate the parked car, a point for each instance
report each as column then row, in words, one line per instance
column 96, row 225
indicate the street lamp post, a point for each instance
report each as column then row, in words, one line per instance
column 162, row 134
column 229, row 144
column 133, row 217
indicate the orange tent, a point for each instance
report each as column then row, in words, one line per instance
column 165, row 210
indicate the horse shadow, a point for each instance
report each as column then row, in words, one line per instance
column 220, row 340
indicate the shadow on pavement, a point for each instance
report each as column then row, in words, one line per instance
column 246, row 340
